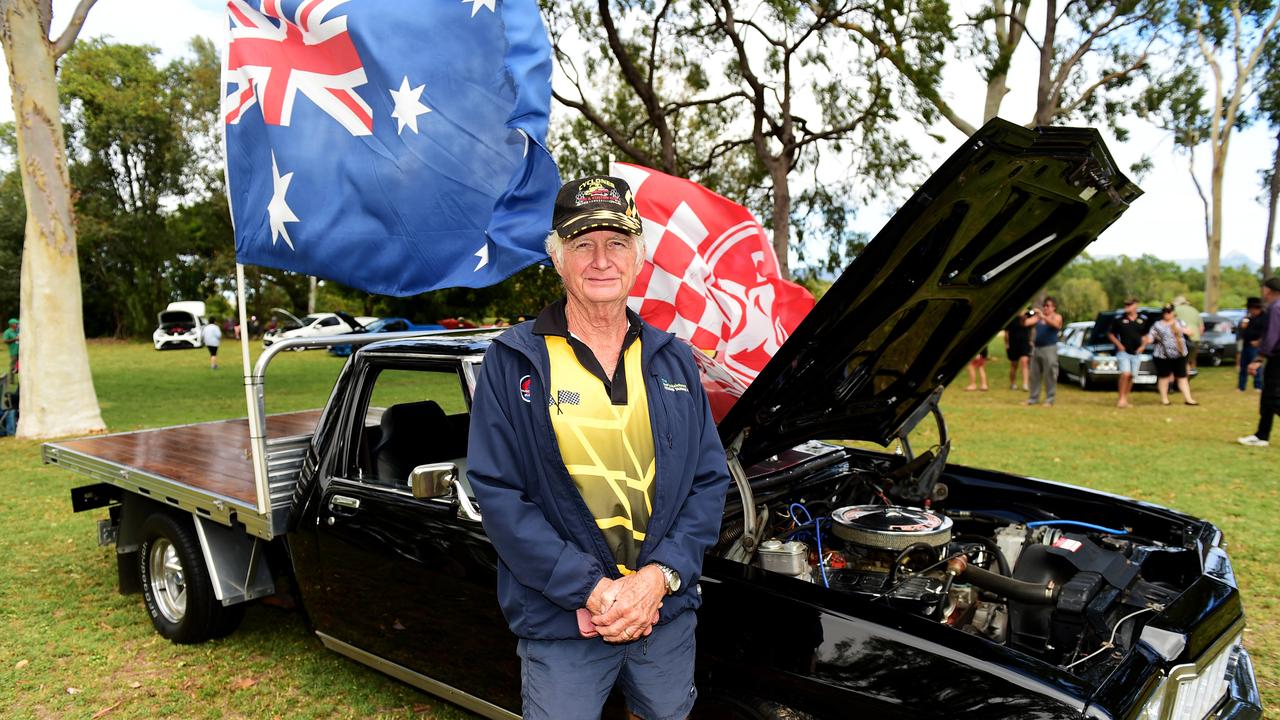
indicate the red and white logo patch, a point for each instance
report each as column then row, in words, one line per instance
column 524, row 388
column 1068, row 544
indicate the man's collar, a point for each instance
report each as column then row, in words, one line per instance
column 552, row 321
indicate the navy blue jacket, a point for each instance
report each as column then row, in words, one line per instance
column 551, row 553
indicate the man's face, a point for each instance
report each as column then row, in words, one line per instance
column 1131, row 310
column 599, row 266
column 1050, row 307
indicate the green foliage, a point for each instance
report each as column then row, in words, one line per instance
column 524, row 293
column 1080, row 298
column 744, row 105
column 13, row 218
column 1089, row 285
column 134, row 143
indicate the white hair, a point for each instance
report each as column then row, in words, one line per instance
column 554, row 246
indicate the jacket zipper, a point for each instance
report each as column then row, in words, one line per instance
column 666, row 413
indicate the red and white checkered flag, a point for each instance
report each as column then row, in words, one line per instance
column 711, row 276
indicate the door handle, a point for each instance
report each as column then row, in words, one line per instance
column 343, row 505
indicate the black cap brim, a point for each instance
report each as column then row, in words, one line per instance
column 599, row 220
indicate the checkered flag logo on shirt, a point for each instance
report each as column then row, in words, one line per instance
column 712, row 276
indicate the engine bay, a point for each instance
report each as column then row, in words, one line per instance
column 1059, row 588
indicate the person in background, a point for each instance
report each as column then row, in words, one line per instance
column 1129, row 334
column 1190, row 317
column 1017, row 347
column 1268, row 364
column 1169, row 345
column 11, row 339
column 211, row 336
column 1045, row 323
column 978, row 364
column 1249, row 334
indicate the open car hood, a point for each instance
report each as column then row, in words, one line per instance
column 288, row 317
column 970, row 248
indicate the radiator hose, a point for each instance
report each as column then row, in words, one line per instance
column 1020, row 590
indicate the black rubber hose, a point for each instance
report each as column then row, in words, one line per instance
column 1010, row 588
column 992, row 548
column 893, row 569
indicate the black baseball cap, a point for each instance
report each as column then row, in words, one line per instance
column 595, row 202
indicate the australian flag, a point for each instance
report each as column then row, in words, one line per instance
column 396, row 147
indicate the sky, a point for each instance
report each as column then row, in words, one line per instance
column 1167, row 222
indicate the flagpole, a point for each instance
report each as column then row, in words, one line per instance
column 253, row 399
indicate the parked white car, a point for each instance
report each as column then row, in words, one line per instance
column 314, row 325
column 180, row 325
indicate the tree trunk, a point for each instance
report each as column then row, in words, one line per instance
column 1213, row 268
column 781, row 215
column 311, row 296
column 1274, row 196
column 1045, row 106
column 57, row 388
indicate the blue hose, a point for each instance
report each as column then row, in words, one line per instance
column 1077, row 523
column 817, row 533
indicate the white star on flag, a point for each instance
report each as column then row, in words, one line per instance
column 408, row 106
column 278, row 210
column 477, row 4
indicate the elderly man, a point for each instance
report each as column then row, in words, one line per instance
column 600, row 476
column 1268, row 364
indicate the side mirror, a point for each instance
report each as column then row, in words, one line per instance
column 433, row 480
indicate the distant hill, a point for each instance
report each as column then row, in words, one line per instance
column 1231, row 259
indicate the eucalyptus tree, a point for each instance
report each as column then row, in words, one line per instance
column 57, row 389
column 1269, row 108
column 1085, row 52
column 742, row 101
column 1211, row 95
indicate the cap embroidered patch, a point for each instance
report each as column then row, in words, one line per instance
column 597, row 189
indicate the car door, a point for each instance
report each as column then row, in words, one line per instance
column 412, row 581
column 1069, row 352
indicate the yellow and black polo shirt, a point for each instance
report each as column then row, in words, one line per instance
column 602, row 428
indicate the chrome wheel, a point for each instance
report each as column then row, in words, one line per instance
column 168, row 582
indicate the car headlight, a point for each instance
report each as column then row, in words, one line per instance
column 1105, row 364
column 1192, row 690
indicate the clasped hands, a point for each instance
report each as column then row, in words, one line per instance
column 625, row 609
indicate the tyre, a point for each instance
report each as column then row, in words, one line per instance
column 1216, row 361
column 175, row 584
column 1083, row 380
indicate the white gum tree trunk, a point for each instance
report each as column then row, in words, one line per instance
column 57, row 388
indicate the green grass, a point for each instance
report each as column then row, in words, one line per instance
column 71, row 646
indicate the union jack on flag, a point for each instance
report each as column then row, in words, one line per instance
column 273, row 57
column 393, row 147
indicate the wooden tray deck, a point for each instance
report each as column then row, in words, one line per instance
column 212, row 456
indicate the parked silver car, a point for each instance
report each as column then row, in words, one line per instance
column 1088, row 358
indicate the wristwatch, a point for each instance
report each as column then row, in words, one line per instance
column 671, row 577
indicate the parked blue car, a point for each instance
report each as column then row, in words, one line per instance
column 385, row 325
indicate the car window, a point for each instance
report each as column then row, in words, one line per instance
column 395, row 326
column 328, row 322
column 411, row 417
